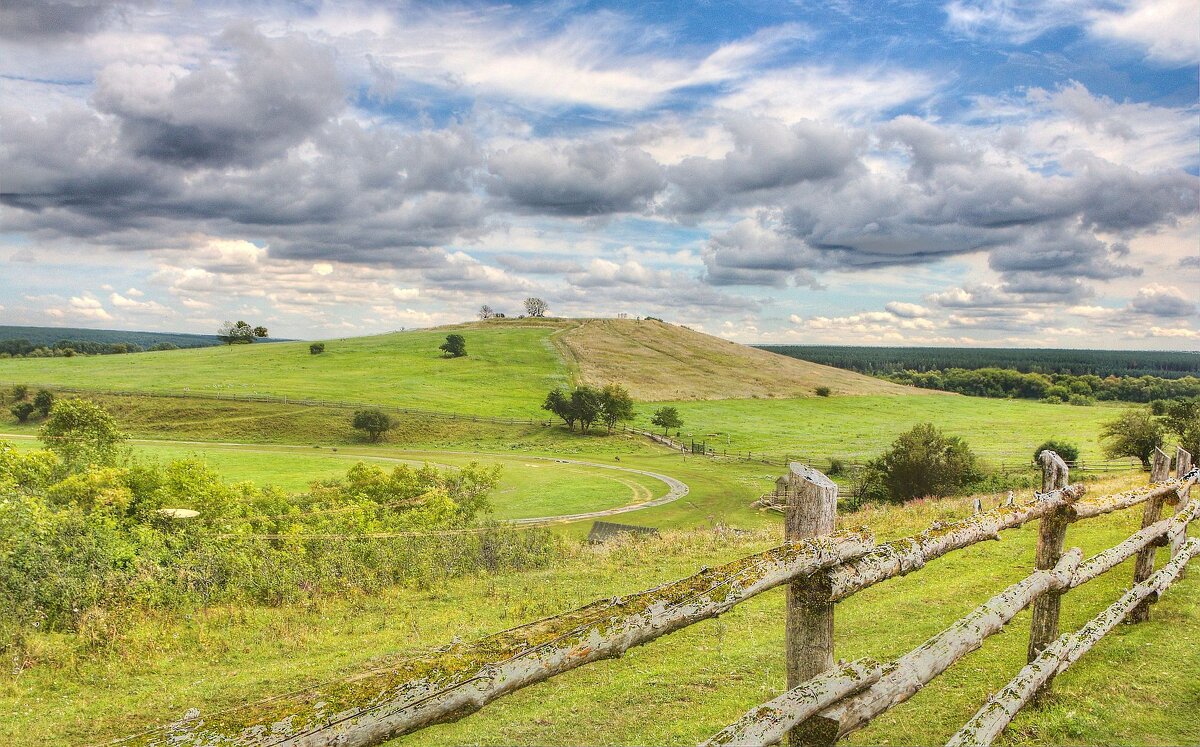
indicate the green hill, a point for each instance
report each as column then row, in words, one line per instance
column 510, row 366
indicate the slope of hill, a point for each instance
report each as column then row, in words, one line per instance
column 658, row 361
column 510, row 366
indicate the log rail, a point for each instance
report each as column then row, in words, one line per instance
column 374, row 706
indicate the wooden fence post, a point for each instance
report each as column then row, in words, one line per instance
column 811, row 510
column 1183, row 465
column 1143, row 567
column 1052, row 530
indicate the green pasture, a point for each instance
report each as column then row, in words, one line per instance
column 862, row 427
column 137, row 670
column 507, row 371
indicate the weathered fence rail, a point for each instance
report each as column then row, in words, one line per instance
column 823, row 700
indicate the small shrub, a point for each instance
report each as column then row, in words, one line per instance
column 1068, row 451
column 21, row 411
column 1080, row 400
column 19, row 392
column 43, row 401
column 455, row 346
column 823, row 391
column 316, row 348
column 836, row 467
column 1158, row 407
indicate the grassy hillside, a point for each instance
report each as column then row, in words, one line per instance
column 510, row 366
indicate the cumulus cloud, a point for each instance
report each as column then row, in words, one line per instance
column 575, row 179
column 1163, row 301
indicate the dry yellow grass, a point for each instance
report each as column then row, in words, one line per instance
column 657, row 362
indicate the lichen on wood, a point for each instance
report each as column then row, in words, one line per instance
column 915, row 669
column 374, row 706
column 768, row 723
column 990, row 720
column 906, row 555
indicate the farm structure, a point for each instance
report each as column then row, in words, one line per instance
column 820, row 568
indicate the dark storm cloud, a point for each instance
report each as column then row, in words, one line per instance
column 40, row 20
column 767, row 154
column 575, row 180
column 1163, row 302
column 276, row 93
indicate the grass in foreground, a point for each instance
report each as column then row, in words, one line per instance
column 1136, row 687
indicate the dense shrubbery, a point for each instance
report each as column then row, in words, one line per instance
column 1058, row 388
column 886, row 360
column 77, row 538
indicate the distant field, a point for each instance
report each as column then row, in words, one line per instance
column 881, row 360
column 857, row 427
column 509, row 368
column 506, row 372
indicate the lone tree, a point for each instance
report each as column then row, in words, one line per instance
column 922, row 462
column 1133, row 433
column 486, row 312
column 455, row 346
column 316, row 348
column 667, row 418
column 374, row 422
column 240, row 333
column 535, row 307
column 616, row 405
column 81, row 433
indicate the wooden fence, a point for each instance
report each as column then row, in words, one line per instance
column 820, row 567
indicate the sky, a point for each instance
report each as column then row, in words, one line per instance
column 977, row 172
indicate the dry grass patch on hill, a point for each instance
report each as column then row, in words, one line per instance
column 658, row 361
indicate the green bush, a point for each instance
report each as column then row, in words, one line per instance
column 1068, row 451
column 922, row 462
column 316, row 348
column 823, row 391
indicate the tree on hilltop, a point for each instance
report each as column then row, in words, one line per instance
column 486, row 312
column 535, row 307
column 240, row 333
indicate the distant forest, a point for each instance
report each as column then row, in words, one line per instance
column 55, row 341
column 1077, row 377
column 881, row 361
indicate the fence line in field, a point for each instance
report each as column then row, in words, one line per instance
column 820, row 568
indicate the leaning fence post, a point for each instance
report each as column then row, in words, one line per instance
column 1052, row 530
column 1143, row 567
column 811, row 510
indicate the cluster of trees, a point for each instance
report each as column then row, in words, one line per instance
column 240, row 333
column 87, row 531
column 534, row 307
column 69, row 348
column 587, row 406
column 22, row 407
column 881, row 360
column 1137, row 432
column 1082, row 389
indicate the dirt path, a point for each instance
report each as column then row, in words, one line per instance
column 676, row 489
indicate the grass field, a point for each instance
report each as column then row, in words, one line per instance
column 509, row 368
column 1136, row 687
column 858, row 427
